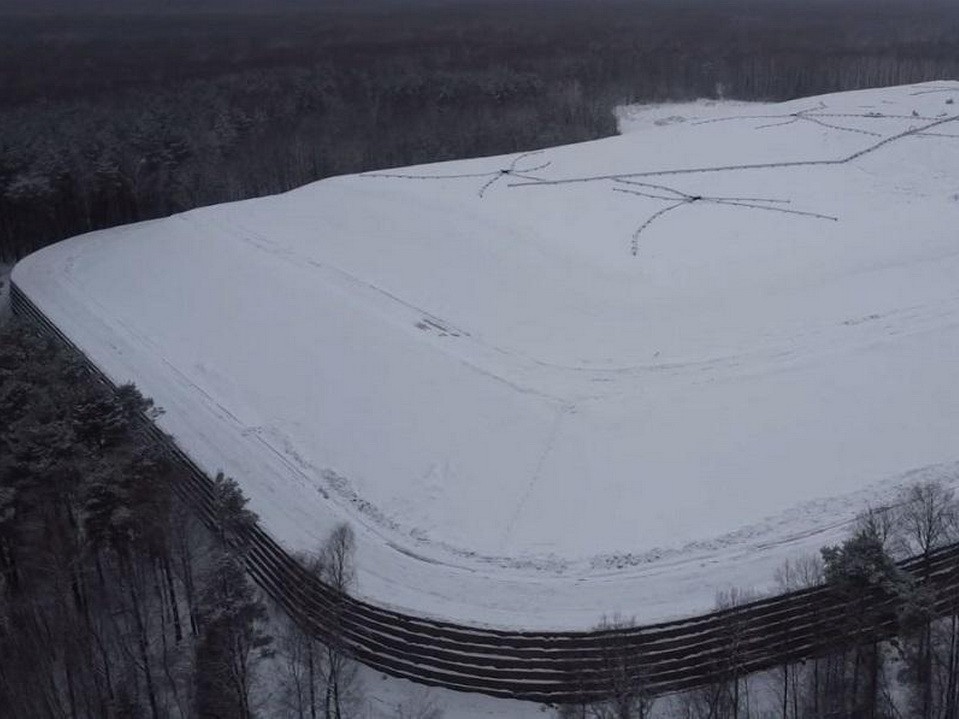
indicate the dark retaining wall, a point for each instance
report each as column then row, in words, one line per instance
column 555, row 667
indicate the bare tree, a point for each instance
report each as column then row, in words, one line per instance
column 304, row 656
column 926, row 518
column 338, row 571
column 802, row 572
column 619, row 678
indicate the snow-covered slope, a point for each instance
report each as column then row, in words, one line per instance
column 607, row 377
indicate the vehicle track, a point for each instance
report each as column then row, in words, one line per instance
column 911, row 132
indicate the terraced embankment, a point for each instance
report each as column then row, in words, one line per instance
column 558, row 666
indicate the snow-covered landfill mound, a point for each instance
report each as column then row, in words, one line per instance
column 606, row 378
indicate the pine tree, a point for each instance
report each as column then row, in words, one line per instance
column 231, row 516
column 864, row 574
column 232, row 640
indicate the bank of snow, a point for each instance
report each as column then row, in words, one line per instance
column 643, row 116
column 604, row 378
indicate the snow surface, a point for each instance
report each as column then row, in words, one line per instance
column 384, row 697
column 539, row 396
column 388, row 698
column 631, row 118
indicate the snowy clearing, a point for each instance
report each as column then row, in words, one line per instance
column 606, row 378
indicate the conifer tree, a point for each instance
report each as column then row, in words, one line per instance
column 232, row 640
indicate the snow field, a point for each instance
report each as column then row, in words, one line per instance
column 614, row 378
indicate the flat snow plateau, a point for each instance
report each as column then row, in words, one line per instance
column 604, row 378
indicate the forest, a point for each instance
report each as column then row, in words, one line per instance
column 116, row 599
column 112, row 118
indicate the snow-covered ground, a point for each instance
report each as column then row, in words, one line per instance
column 384, row 697
column 631, row 118
column 606, row 378
column 388, row 698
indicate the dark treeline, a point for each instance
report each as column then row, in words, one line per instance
column 110, row 119
column 115, row 600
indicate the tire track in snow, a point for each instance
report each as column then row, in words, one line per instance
column 538, row 472
column 746, row 166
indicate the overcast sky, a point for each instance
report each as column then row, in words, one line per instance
column 87, row 6
column 140, row 6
